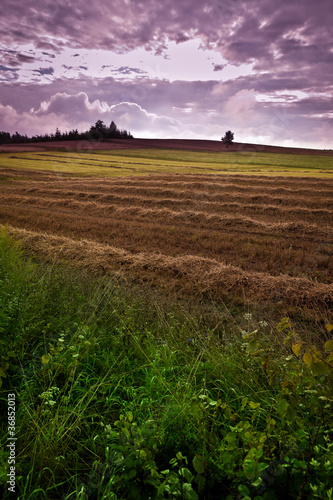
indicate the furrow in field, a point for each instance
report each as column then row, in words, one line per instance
column 271, row 188
column 213, row 182
column 198, row 219
column 186, row 196
column 250, row 197
column 197, row 201
column 244, row 182
column 261, row 251
column 197, row 273
column 218, row 186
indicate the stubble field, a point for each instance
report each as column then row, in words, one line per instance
column 265, row 237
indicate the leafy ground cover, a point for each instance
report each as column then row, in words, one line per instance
column 122, row 394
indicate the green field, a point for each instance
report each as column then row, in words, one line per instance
column 146, row 161
column 113, row 392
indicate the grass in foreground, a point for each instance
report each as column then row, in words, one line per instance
column 147, row 161
column 118, row 396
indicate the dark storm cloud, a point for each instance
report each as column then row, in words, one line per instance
column 15, row 58
column 219, row 67
column 4, row 68
column 25, row 59
column 278, row 36
column 44, row 71
column 48, row 54
column 265, row 30
column 126, row 70
column 288, row 42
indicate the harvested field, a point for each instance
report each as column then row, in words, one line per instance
column 266, row 238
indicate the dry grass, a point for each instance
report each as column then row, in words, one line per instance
column 201, row 274
column 268, row 238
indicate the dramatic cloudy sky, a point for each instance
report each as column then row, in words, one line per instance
column 179, row 68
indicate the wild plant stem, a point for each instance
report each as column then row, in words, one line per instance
column 308, row 463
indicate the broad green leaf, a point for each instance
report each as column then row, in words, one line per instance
column 2, row 374
column 244, row 403
column 231, row 440
column 315, row 353
column 262, row 466
column 189, row 492
column 161, row 488
column 320, row 368
column 180, row 456
column 282, row 406
column 308, row 358
column 257, row 482
column 329, row 327
column 329, row 345
column 253, row 346
column 244, row 490
column 198, row 464
column 201, row 481
column 46, row 358
column 284, row 324
column 248, row 335
column 270, row 423
column 253, row 405
column 249, row 467
column 329, row 357
column 296, row 348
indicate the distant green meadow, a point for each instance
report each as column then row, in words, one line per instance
column 108, row 163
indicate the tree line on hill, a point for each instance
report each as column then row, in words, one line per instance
column 97, row 132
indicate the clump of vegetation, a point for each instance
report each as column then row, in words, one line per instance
column 96, row 132
column 120, row 396
column 228, row 138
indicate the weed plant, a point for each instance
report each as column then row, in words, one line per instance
column 119, row 396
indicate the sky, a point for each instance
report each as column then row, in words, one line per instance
column 187, row 69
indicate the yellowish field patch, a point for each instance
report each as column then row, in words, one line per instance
column 147, row 161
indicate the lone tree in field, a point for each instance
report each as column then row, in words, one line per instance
column 228, row 138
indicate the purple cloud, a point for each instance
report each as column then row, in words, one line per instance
column 288, row 43
column 44, row 71
column 219, row 67
column 126, row 70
